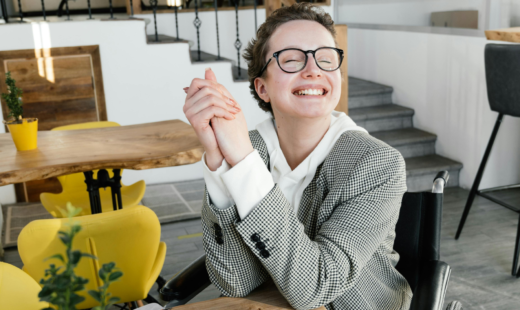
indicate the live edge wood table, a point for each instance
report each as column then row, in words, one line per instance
column 508, row 35
column 137, row 147
column 265, row 297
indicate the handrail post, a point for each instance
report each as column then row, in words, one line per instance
column 4, row 11
column 67, row 8
column 20, row 12
column 256, row 25
column 216, row 20
column 89, row 10
column 238, row 44
column 197, row 24
column 176, row 23
column 131, row 9
column 153, row 3
column 43, row 10
column 111, row 9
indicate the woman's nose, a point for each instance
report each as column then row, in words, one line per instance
column 311, row 69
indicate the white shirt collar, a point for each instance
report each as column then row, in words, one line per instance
column 293, row 182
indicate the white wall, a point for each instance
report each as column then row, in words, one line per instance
column 493, row 14
column 143, row 83
column 402, row 12
column 442, row 78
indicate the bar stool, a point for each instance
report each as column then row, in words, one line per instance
column 502, row 63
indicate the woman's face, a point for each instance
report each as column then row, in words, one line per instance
column 282, row 89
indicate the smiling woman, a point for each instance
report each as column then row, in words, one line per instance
column 307, row 199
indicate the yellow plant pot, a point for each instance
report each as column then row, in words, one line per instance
column 25, row 135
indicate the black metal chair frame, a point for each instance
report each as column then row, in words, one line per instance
column 501, row 103
column 427, row 275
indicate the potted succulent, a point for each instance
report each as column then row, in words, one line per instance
column 23, row 130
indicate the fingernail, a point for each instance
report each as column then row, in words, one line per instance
column 186, row 88
column 208, row 68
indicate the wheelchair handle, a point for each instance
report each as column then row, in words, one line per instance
column 440, row 181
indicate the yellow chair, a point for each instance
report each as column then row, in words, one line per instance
column 18, row 291
column 129, row 237
column 75, row 188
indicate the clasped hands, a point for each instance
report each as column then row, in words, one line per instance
column 218, row 121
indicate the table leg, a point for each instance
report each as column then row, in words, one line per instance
column 103, row 180
column 93, row 192
column 116, row 190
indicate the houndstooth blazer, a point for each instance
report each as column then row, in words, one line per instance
column 337, row 251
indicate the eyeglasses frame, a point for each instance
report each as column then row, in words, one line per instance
column 275, row 55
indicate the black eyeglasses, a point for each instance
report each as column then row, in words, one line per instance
column 292, row 60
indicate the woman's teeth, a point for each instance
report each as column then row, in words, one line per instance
column 312, row 92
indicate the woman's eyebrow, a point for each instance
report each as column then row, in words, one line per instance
column 294, row 46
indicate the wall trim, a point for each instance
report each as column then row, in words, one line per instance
column 421, row 29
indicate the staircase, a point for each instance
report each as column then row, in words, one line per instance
column 371, row 107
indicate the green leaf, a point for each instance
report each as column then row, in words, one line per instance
column 46, row 291
column 88, row 255
column 114, row 276
column 76, row 299
column 96, row 295
column 65, row 238
column 76, row 256
column 75, row 229
column 102, row 274
column 72, row 211
column 113, row 300
column 109, row 266
column 58, row 256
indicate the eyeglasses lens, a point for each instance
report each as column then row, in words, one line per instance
column 294, row 60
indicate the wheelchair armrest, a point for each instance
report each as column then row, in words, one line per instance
column 186, row 284
column 431, row 289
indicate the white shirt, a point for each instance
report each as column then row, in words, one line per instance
column 249, row 181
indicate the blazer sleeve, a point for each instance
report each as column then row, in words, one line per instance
column 231, row 265
column 312, row 273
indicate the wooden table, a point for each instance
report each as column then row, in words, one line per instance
column 508, row 34
column 137, row 147
column 265, row 297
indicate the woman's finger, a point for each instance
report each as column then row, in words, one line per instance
column 198, row 84
column 204, row 117
column 209, row 101
column 210, row 92
column 230, row 101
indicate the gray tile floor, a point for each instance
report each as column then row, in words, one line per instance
column 481, row 259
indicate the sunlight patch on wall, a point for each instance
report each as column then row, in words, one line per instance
column 42, row 50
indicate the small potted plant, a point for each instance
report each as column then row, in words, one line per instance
column 23, row 130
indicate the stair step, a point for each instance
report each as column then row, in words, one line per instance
column 204, row 57
column 363, row 93
column 410, row 142
column 383, row 117
column 421, row 170
column 150, row 39
column 209, row 58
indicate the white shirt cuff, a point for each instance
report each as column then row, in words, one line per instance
column 216, row 188
column 248, row 182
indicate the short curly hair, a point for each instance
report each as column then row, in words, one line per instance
column 256, row 50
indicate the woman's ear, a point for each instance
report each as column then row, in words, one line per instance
column 261, row 90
